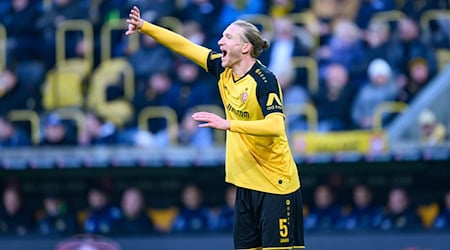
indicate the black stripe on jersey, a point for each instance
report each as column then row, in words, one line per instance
column 214, row 64
column 267, row 90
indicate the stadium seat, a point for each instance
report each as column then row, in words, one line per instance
column 2, row 47
column 172, row 23
column 165, row 113
column 383, row 109
column 308, row 110
column 81, row 66
column 262, row 21
column 311, row 67
column 388, row 16
column 428, row 214
column 30, row 117
column 310, row 22
column 62, row 89
column 162, row 218
column 106, row 43
column 219, row 135
column 110, row 73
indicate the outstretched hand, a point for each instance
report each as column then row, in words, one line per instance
column 211, row 120
column 134, row 21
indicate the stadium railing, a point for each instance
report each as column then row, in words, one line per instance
column 25, row 115
column 161, row 112
column 3, row 44
column 312, row 70
column 385, row 108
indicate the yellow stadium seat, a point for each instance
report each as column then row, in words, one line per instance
column 428, row 214
column 62, row 89
column 109, row 73
column 162, row 218
column 388, row 16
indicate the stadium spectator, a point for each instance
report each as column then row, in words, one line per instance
column 47, row 24
column 344, row 47
column 418, row 76
column 283, row 47
column 57, row 218
column 364, row 214
column 380, row 88
column 15, row 218
column 294, row 97
column 195, row 87
column 193, row 216
column 103, row 217
column 192, row 136
column 22, row 32
column 400, row 214
column 378, row 42
column 415, row 9
column 11, row 136
column 98, row 131
column 234, row 9
column 12, row 94
column 202, row 12
column 368, row 8
column 149, row 59
column 326, row 212
column 334, row 99
column 135, row 220
column 222, row 220
column 442, row 221
column 432, row 132
column 407, row 45
column 56, row 132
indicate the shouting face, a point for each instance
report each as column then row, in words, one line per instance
column 233, row 46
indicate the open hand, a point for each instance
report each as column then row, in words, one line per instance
column 211, row 120
column 134, row 21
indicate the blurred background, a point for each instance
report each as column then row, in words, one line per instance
column 98, row 150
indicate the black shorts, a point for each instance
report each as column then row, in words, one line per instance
column 269, row 221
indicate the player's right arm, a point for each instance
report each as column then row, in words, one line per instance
column 169, row 39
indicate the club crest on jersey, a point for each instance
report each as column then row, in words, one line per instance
column 244, row 97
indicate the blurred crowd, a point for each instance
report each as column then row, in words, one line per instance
column 362, row 61
column 128, row 213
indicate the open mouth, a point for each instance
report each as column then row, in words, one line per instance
column 224, row 53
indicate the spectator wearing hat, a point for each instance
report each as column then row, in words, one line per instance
column 380, row 88
column 432, row 132
column 56, row 133
column 57, row 218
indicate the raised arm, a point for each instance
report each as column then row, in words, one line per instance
column 167, row 38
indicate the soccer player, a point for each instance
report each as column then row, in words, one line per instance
column 258, row 158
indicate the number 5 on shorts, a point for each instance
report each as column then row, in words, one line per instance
column 283, row 227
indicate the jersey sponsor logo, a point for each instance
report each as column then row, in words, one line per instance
column 240, row 113
column 273, row 102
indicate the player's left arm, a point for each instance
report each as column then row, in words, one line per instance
column 271, row 125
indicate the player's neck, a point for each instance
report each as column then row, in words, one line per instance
column 241, row 68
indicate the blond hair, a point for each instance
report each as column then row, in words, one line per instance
column 252, row 35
